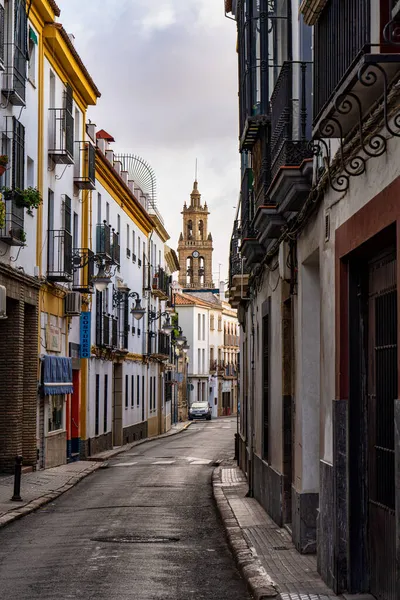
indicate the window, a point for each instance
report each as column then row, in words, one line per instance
column 211, row 356
column 30, row 172
column 159, row 258
column 56, row 413
column 126, row 391
column 32, row 56
column 199, row 327
column 133, row 246
column 52, row 90
column 99, row 208
column 18, row 170
column 204, row 327
column 107, row 212
column 133, row 391
column 75, row 235
column 66, row 214
column 219, row 323
column 212, row 322
column 137, row 390
column 128, row 241
column 204, row 360
column 151, row 394
column 97, row 406
column 142, row 397
column 139, row 250
column 198, row 360
column 118, row 223
column 105, row 402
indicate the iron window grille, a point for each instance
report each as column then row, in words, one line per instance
column 61, row 131
column 59, row 255
column 16, row 53
column 85, row 165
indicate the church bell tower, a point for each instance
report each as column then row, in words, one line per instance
column 195, row 245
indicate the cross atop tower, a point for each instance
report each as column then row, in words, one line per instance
column 195, row 245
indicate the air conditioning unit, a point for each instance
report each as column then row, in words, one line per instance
column 73, row 304
column 3, row 302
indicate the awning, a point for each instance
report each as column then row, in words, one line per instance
column 57, row 375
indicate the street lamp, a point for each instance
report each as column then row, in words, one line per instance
column 185, row 347
column 119, row 296
column 167, row 326
column 180, row 339
column 101, row 280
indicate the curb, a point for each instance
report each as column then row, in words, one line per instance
column 34, row 505
column 259, row 582
column 111, row 453
column 98, row 463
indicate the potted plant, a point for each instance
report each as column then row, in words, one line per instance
column 29, row 198
column 22, row 236
column 3, row 163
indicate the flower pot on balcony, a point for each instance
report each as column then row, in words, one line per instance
column 3, row 169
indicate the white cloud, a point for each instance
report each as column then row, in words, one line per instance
column 168, row 77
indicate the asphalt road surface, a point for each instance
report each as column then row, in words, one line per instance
column 143, row 528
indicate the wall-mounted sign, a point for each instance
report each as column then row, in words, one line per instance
column 53, row 338
column 85, row 334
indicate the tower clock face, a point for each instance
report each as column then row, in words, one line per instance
column 195, row 254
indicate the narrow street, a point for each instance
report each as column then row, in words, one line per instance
column 145, row 527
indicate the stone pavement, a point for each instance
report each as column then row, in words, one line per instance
column 41, row 487
column 293, row 575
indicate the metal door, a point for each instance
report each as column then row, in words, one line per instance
column 382, row 391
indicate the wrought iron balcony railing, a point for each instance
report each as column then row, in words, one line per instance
column 161, row 284
column 103, row 240
column 291, row 118
column 14, row 77
column 115, row 248
column 247, row 205
column 85, row 165
column 59, row 255
column 12, row 233
column 83, row 275
column 164, row 344
column 61, row 136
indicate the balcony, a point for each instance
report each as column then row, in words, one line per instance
column 85, row 165
column 103, row 240
column 13, row 232
column 251, row 249
column 164, row 345
column 106, row 329
column 14, row 77
column 160, row 287
column 238, row 277
column 61, row 136
column 349, row 83
column 59, row 256
column 115, row 248
column 83, row 270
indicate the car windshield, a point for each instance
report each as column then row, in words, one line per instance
column 199, row 405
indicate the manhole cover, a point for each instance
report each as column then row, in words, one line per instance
column 136, row 539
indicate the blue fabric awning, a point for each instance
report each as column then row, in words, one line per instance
column 57, row 375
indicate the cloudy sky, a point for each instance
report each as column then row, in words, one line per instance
column 167, row 73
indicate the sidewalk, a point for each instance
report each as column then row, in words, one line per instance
column 264, row 552
column 41, row 487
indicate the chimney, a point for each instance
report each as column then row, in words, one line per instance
column 91, row 131
column 137, row 191
column 124, row 175
column 72, row 38
column 118, row 166
column 110, row 155
column 131, row 186
column 101, row 144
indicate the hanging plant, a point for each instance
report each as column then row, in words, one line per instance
column 2, row 214
column 29, row 198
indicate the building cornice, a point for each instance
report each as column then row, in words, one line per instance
column 60, row 48
column 121, row 194
column 160, row 229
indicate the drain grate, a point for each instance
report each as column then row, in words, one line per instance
column 136, row 539
column 280, row 548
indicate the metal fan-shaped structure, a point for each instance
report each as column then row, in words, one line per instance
column 142, row 174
